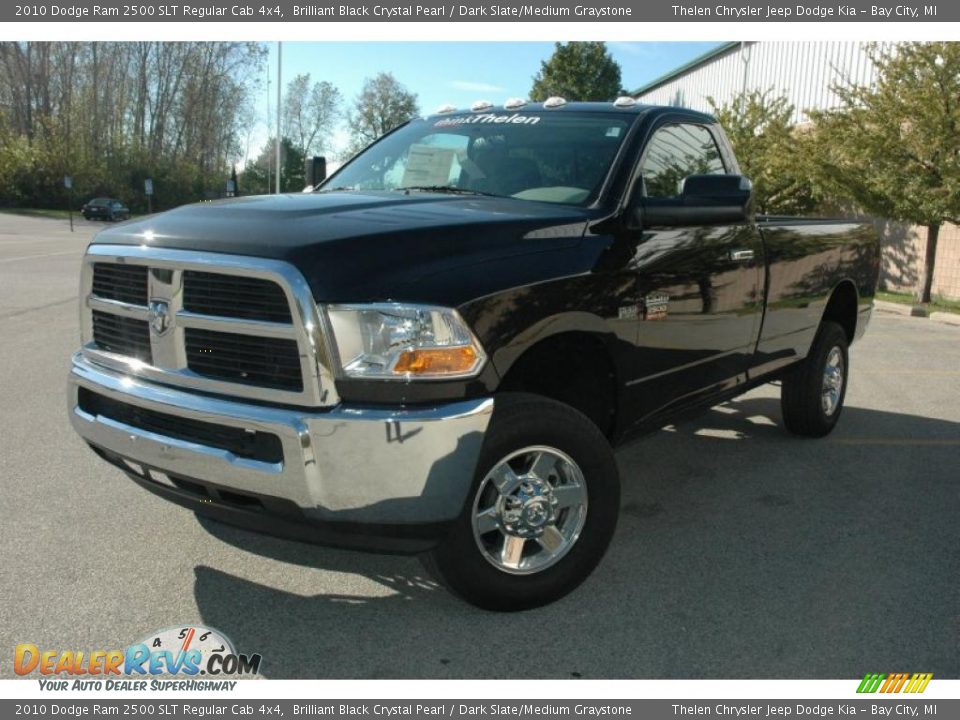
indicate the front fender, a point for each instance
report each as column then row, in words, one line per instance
column 564, row 323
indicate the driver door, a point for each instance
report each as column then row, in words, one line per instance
column 699, row 287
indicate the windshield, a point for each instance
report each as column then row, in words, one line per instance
column 536, row 155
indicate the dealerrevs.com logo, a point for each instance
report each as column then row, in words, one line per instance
column 186, row 652
column 894, row 682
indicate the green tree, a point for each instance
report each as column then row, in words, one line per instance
column 770, row 151
column 292, row 173
column 894, row 147
column 253, row 179
column 382, row 104
column 19, row 160
column 310, row 113
column 578, row 71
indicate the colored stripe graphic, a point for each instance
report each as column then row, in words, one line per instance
column 918, row 683
column 870, row 683
column 900, row 681
column 894, row 682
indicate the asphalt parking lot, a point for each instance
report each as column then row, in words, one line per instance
column 740, row 551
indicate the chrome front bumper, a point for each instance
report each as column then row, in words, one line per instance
column 351, row 465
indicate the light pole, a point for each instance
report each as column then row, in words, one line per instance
column 269, row 164
column 279, row 87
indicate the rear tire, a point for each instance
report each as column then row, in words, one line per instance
column 813, row 391
column 541, row 511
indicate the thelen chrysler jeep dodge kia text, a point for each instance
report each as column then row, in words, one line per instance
column 435, row 351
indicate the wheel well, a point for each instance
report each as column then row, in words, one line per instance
column 842, row 308
column 573, row 368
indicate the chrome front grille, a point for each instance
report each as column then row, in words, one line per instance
column 268, row 362
column 234, row 296
column 122, row 335
column 125, row 283
column 233, row 325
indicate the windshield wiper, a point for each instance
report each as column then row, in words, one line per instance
column 337, row 189
column 446, row 189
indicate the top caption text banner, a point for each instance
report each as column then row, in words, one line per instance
column 474, row 10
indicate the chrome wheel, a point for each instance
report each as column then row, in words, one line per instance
column 832, row 388
column 529, row 510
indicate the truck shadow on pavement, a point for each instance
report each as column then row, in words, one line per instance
column 741, row 551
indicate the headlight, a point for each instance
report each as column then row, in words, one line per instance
column 404, row 342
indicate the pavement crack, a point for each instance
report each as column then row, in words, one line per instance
column 24, row 311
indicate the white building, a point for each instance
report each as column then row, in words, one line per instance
column 805, row 73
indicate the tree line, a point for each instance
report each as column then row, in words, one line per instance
column 112, row 114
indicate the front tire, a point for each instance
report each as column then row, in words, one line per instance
column 812, row 393
column 541, row 511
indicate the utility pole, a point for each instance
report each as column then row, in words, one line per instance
column 745, row 52
column 68, row 184
column 279, row 88
column 269, row 164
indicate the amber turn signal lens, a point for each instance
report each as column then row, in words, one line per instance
column 437, row 361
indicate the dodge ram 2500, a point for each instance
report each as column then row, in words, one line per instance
column 436, row 350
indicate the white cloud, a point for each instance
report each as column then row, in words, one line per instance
column 475, row 86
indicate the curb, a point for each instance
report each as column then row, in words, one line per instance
column 893, row 308
column 946, row 318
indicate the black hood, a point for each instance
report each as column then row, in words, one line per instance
column 356, row 246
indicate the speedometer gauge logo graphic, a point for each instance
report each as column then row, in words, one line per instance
column 190, row 650
column 185, row 639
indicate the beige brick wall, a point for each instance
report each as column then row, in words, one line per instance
column 904, row 247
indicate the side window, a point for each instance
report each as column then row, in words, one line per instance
column 675, row 152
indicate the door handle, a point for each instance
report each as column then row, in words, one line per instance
column 741, row 255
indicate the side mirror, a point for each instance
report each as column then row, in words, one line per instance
column 315, row 171
column 704, row 200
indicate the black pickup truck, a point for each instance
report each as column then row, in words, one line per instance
column 436, row 350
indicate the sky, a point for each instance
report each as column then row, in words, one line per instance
column 456, row 73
